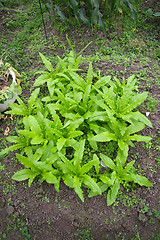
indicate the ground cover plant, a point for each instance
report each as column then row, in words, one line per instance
column 84, row 132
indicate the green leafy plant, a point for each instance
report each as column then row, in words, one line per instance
column 118, row 103
column 75, row 174
column 92, row 12
column 117, row 172
column 78, row 111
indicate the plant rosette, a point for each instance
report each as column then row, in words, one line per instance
column 9, row 87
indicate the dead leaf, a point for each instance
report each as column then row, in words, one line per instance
column 6, row 132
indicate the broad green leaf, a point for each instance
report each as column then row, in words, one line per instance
column 75, row 134
column 91, row 142
column 123, row 145
column 47, row 63
column 27, row 162
column 139, row 138
column 60, row 143
column 13, row 139
column 86, row 167
column 11, row 148
column 68, row 163
column 37, row 140
column 49, row 177
column 33, row 124
column 77, row 188
column 79, row 155
column 129, row 166
column 86, row 95
column 107, row 161
column 23, row 175
column 141, row 180
column 106, row 180
column 75, row 124
column 33, row 97
column 17, row 109
column 122, row 156
column 63, row 167
column 104, row 137
column 79, row 81
column 91, row 184
column 112, row 193
column 133, row 128
column 138, row 117
column 135, row 102
column 41, row 79
column 68, row 180
column 102, row 81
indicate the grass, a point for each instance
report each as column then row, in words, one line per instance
column 116, row 55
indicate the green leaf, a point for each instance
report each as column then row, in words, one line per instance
column 112, row 193
column 90, row 182
column 129, row 166
column 75, row 134
column 79, row 155
column 23, row 175
column 135, row 102
column 49, row 177
column 104, row 137
column 11, row 148
column 102, row 81
column 68, row 180
column 41, row 79
column 86, row 95
column 139, row 138
column 133, row 128
column 86, row 167
column 33, row 97
column 107, row 161
column 68, row 163
column 123, row 145
column 141, row 180
column 37, row 140
column 47, row 63
column 138, row 117
column 77, row 188
column 79, row 81
column 91, row 142
column 33, row 124
column 106, row 180
column 60, row 143
column 27, row 162
column 97, row 163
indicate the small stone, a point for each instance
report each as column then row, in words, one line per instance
column 16, row 214
column 71, row 197
column 143, row 217
column 10, row 210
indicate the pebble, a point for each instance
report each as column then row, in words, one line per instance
column 10, row 210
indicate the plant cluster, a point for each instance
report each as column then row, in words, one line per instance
column 90, row 12
column 75, row 112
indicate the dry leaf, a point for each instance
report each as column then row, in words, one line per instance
column 6, row 132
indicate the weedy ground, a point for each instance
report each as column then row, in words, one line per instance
column 39, row 212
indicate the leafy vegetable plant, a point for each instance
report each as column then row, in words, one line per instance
column 78, row 111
